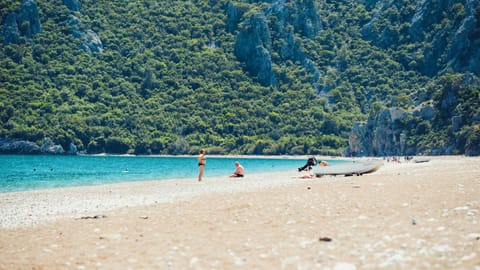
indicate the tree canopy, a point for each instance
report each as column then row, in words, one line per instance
column 167, row 80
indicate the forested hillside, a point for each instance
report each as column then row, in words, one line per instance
column 241, row 77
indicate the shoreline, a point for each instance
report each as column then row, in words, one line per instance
column 404, row 216
column 20, row 180
column 36, row 207
column 40, row 206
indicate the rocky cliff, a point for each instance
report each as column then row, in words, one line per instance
column 90, row 41
column 12, row 146
column 380, row 136
column 450, row 29
column 253, row 47
column 166, row 56
column 254, row 43
column 448, row 126
column 453, row 27
column 24, row 23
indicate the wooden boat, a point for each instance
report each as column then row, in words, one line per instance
column 421, row 160
column 349, row 169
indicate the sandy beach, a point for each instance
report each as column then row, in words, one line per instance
column 404, row 216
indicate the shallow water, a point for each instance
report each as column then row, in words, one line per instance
column 30, row 172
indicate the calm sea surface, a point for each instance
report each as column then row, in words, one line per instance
column 30, row 172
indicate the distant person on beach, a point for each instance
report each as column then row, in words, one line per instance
column 305, row 176
column 239, row 171
column 201, row 164
column 307, row 167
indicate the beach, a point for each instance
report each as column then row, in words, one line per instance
column 406, row 215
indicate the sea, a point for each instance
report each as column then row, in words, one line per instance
column 33, row 172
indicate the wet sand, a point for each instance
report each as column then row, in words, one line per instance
column 404, row 216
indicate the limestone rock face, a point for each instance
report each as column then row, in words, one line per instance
column 382, row 37
column 380, row 136
column 12, row 146
column 369, row 4
column 252, row 47
column 426, row 113
column 465, row 49
column 25, row 23
column 356, row 141
column 296, row 18
column 234, row 14
column 73, row 5
column 254, row 44
column 456, row 123
column 387, row 132
column 28, row 18
column 9, row 30
column 454, row 46
column 302, row 16
column 75, row 24
column 91, row 42
column 49, row 147
column 73, row 149
column 9, row 146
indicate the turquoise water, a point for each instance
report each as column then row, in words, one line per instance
column 30, row 172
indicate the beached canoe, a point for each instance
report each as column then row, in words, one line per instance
column 349, row 169
column 421, row 160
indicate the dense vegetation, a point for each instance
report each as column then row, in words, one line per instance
column 167, row 80
column 456, row 124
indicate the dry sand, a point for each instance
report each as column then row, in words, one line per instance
column 404, row 216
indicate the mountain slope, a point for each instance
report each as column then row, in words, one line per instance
column 256, row 77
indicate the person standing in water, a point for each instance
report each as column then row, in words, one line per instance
column 201, row 164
